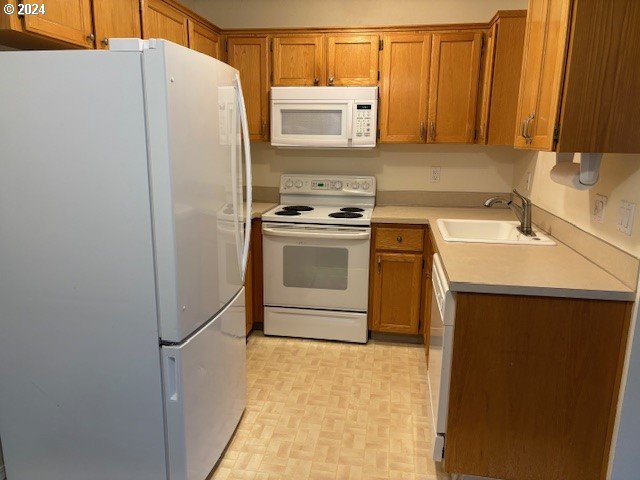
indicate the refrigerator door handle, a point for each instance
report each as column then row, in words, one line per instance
column 249, row 199
column 172, row 387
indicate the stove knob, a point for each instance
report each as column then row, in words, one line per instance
column 355, row 185
column 365, row 186
column 298, row 183
column 337, row 185
column 288, row 183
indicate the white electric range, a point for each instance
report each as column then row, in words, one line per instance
column 316, row 257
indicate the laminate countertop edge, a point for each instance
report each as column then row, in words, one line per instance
column 547, row 271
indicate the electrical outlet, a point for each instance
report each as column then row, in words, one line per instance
column 435, row 174
column 625, row 216
column 598, row 208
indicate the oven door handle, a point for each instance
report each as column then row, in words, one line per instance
column 333, row 235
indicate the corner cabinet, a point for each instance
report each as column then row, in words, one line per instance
column 580, row 68
column 501, row 69
column 397, row 279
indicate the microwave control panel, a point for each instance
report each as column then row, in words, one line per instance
column 364, row 123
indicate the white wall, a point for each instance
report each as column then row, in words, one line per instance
column 465, row 168
column 338, row 13
column 620, row 179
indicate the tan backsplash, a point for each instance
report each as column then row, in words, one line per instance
column 464, row 168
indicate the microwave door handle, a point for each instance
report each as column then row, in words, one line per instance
column 350, row 114
column 277, row 232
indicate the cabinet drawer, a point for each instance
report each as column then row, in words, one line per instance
column 406, row 239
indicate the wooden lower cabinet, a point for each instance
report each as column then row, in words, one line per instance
column 397, row 279
column 534, row 386
column 253, row 278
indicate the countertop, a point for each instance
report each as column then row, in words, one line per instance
column 556, row 271
column 260, row 208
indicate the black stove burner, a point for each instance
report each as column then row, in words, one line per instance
column 298, row 208
column 345, row 215
column 352, row 209
column 288, row 213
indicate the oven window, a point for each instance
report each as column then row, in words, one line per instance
column 311, row 122
column 320, row 268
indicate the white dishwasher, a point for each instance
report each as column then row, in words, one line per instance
column 443, row 312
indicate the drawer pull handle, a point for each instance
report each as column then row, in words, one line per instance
column 399, row 239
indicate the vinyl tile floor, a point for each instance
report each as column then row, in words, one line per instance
column 326, row 410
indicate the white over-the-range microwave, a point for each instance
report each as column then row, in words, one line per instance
column 324, row 117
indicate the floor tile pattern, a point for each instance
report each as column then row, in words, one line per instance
column 326, row 410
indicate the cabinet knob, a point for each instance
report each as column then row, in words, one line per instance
column 399, row 239
column 331, row 80
column 316, row 81
column 105, row 41
column 432, row 131
column 91, row 37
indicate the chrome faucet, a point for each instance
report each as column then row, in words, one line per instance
column 522, row 211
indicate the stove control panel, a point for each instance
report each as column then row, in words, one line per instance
column 328, row 185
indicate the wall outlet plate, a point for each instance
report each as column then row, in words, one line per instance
column 527, row 181
column 435, row 174
column 598, row 208
column 625, row 217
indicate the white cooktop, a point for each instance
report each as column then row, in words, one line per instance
column 329, row 200
column 320, row 215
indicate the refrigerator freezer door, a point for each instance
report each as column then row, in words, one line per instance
column 205, row 392
column 193, row 137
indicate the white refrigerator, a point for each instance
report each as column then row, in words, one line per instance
column 124, row 233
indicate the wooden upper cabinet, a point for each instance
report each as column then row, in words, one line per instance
column 502, row 65
column 600, row 111
column 397, row 289
column 542, row 73
column 162, row 20
column 203, row 39
column 298, row 60
column 352, row 60
column 249, row 55
column 485, row 87
column 116, row 19
column 453, row 87
column 404, row 86
column 65, row 20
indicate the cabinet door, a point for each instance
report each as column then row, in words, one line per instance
column 352, row 60
column 487, row 77
column 249, row 56
column 453, row 87
column 116, row 19
column 404, row 88
column 397, row 292
column 542, row 73
column 65, row 20
column 161, row 20
column 298, row 61
column 203, row 39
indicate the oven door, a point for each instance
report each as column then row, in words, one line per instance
column 311, row 266
column 311, row 123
